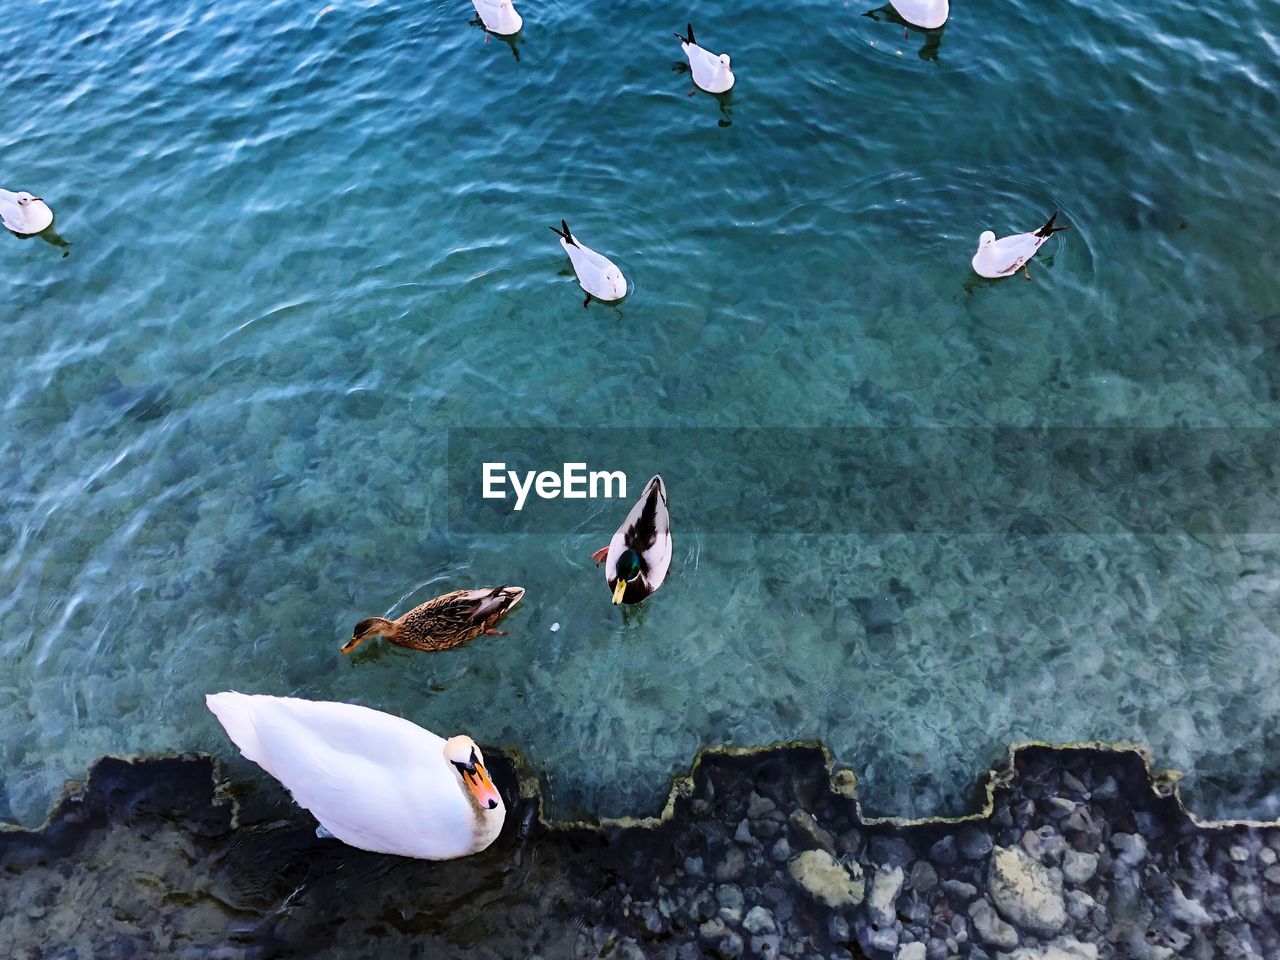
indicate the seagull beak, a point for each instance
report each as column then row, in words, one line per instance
column 619, row 589
column 482, row 787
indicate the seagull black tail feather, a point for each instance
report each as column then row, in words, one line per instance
column 563, row 233
column 689, row 38
column 1049, row 229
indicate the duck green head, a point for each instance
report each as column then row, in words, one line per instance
column 628, row 569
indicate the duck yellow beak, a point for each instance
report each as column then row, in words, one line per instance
column 482, row 787
column 619, row 589
column 352, row 644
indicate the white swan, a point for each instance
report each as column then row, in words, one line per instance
column 1006, row 256
column 24, row 214
column 597, row 274
column 711, row 71
column 374, row 781
column 925, row 14
column 498, row 16
column 638, row 557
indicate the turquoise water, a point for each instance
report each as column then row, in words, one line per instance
column 307, row 240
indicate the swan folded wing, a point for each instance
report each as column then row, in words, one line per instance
column 387, row 796
column 282, row 722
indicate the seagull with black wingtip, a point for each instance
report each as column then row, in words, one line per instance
column 597, row 274
column 1006, row 256
column 711, row 71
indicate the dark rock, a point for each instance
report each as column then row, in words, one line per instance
column 730, row 896
column 923, row 876
column 732, row 866
column 959, row 891
column 838, row 929
column 808, row 834
column 992, row 930
column 888, row 851
column 974, row 843
column 944, row 852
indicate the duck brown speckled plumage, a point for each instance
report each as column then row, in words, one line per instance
column 443, row 623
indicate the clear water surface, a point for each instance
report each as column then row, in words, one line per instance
column 307, row 238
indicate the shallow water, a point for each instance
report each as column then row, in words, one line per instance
column 308, row 240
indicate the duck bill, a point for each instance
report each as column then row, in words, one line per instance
column 482, row 788
column 619, row 589
column 352, row 644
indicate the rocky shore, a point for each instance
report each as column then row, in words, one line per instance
column 1075, row 854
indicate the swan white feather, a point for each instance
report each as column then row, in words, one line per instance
column 373, row 780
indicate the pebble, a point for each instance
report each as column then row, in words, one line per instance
column 1079, row 868
column 732, row 866
column 825, row 880
column 990, row 928
column 912, row 951
column 809, row 833
column 959, row 891
column 923, row 876
column 758, row 806
column 781, row 851
column 974, row 843
column 555, row 627
column 1131, row 849
column 943, row 853
column 759, row 920
column 1026, row 893
column 727, row 895
column 838, row 929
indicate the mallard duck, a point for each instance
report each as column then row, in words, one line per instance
column 373, row 780
column 443, row 623
column 638, row 557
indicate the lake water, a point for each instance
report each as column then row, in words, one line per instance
column 308, row 240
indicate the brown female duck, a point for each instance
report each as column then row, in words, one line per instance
column 443, row 623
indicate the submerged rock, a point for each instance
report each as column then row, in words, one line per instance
column 186, row 871
column 826, row 880
column 1026, row 893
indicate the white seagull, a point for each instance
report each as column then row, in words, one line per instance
column 374, row 781
column 597, row 274
column 24, row 214
column 498, row 16
column 710, row 71
column 925, row 14
column 1006, row 256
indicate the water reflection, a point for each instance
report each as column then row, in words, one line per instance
column 932, row 38
column 511, row 40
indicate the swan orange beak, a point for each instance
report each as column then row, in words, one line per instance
column 482, row 787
